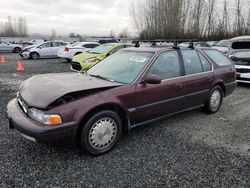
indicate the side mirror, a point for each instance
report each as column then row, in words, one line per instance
column 39, row 47
column 151, row 79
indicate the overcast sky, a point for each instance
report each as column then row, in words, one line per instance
column 89, row 17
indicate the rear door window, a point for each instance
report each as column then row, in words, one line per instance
column 46, row 45
column 219, row 58
column 166, row 66
column 56, row 44
column 192, row 63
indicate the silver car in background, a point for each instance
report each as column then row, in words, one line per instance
column 8, row 47
column 222, row 46
column 47, row 49
column 239, row 52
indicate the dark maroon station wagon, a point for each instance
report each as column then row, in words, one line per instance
column 132, row 87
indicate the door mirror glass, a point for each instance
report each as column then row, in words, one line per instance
column 152, row 79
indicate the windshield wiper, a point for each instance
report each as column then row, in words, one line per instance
column 101, row 77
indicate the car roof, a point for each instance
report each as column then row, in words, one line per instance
column 147, row 49
column 161, row 49
column 88, row 43
column 117, row 44
column 241, row 38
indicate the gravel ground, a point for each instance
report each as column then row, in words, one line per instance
column 191, row 149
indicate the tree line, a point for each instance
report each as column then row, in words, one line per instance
column 14, row 27
column 200, row 19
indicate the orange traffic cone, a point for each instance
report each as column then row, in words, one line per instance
column 3, row 60
column 19, row 66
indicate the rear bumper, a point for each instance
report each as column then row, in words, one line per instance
column 230, row 88
column 64, row 55
column 38, row 132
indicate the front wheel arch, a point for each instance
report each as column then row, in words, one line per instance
column 77, row 53
column 112, row 107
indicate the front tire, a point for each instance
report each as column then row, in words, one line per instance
column 34, row 55
column 214, row 100
column 100, row 133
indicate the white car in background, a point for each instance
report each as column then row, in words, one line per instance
column 239, row 53
column 47, row 49
column 222, row 46
column 69, row 51
column 8, row 47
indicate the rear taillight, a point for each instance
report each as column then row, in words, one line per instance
column 66, row 49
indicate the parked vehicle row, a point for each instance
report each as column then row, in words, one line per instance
column 131, row 87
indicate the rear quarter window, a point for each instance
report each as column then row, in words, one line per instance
column 219, row 58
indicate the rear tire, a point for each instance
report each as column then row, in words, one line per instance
column 214, row 100
column 17, row 50
column 34, row 55
column 100, row 133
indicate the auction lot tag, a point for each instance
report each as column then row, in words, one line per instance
column 138, row 59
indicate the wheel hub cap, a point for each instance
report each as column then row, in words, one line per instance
column 103, row 133
column 215, row 99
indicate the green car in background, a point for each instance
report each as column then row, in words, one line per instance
column 84, row 61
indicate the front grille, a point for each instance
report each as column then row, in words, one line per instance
column 243, row 70
column 76, row 66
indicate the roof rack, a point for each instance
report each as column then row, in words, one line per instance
column 174, row 41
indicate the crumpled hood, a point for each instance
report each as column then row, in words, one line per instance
column 40, row 91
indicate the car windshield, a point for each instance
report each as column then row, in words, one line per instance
column 101, row 49
column 122, row 67
column 223, row 43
